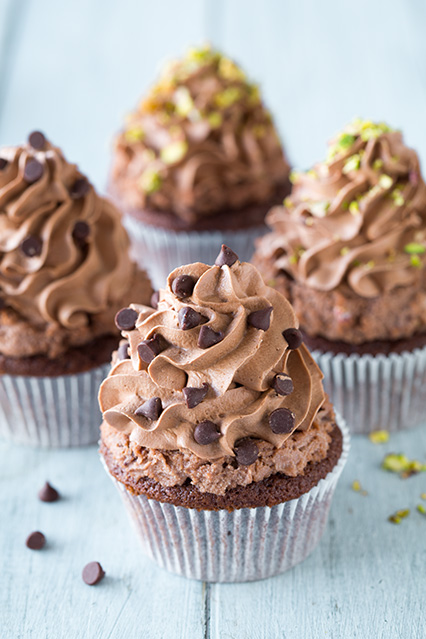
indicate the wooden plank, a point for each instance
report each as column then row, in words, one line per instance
column 42, row 594
column 366, row 578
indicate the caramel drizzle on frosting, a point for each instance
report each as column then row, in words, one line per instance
column 200, row 142
column 68, row 278
column 239, row 370
column 358, row 219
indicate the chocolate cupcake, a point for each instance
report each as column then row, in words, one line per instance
column 216, row 428
column 348, row 250
column 64, row 273
column 197, row 164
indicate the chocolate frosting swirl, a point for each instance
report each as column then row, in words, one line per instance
column 357, row 220
column 63, row 251
column 239, row 370
column 199, row 143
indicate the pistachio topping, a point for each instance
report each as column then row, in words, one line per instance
column 379, row 436
column 399, row 515
column 399, row 463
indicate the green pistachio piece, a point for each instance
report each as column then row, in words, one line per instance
column 309, row 221
column 354, row 208
column 421, row 509
column 183, row 101
column 150, row 181
column 416, row 261
column 356, row 263
column 228, row 97
column 134, row 134
column 369, row 265
column 259, row 130
column 215, row 119
column 344, row 250
column 293, row 259
column 379, row 436
column 397, row 517
column 377, row 164
column 385, row 181
column 230, row 71
column 174, row 152
column 352, row 164
column 288, row 202
column 312, row 174
column 319, row 209
column 294, row 176
column 254, row 98
column 345, row 141
column 397, row 197
column 399, row 463
column 415, row 248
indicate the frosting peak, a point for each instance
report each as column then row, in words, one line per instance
column 218, row 358
column 358, row 219
column 200, row 142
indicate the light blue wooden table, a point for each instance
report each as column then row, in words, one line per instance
column 72, row 70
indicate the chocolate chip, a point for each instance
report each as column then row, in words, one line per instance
column 37, row 140
column 32, row 246
column 79, row 189
column 188, row 318
column 123, row 351
column 281, row 421
column 194, row 396
column 293, row 337
column 226, row 257
column 36, row 540
column 33, row 171
column 125, row 320
column 283, row 384
column 183, row 286
column 155, row 298
column 48, row 493
column 3, row 164
column 260, row 319
column 93, row 573
column 206, row 432
column 246, row 451
column 81, row 231
column 149, row 348
column 208, row 337
column 151, row 409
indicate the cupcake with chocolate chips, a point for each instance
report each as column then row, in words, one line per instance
column 348, row 249
column 216, row 429
column 197, row 164
column 64, row 273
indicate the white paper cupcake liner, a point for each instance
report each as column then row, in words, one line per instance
column 160, row 250
column 51, row 412
column 243, row 545
column 376, row 392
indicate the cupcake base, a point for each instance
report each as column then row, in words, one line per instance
column 243, row 544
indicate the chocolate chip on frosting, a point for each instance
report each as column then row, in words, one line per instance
column 260, row 319
column 125, row 320
column 32, row 246
column 33, row 171
column 155, row 298
column 79, row 189
column 208, row 337
column 206, row 432
column 188, row 318
column 149, row 348
column 123, row 351
column 283, row 384
column 194, row 396
column 246, row 451
column 81, row 231
column 182, row 286
column 3, row 163
column 37, row 140
column 282, row 421
column 293, row 337
column 226, row 257
column 151, row 409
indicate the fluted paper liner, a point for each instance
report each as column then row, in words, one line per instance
column 51, row 412
column 160, row 250
column 376, row 392
column 243, row 545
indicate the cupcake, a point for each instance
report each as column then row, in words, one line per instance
column 64, row 273
column 348, row 250
column 216, row 429
column 198, row 163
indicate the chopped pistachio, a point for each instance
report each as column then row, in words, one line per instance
column 229, row 70
column 319, row 209
column 174, row 152
column 228, row 97
column 423, row 496
column 352, row 164
column 344, row 250
column 134, row 134
column 356, row 486
column 397, row 517
column 415, row 248
column 254, row 98
column 150, row 181
column 345, row 206
column 399, row 463
column 312, row 174
column 293, row 259
column 356, row 263
column 385, row 181
column 272, row 282
column 379, row 436
column 309, row 221
column 288, row 202
column 183, row 101
column 259, row 130
column 422, row 509
column 354, row 207
column 369, row 265
column 397, row 197
column 215, row 119
column 346, row 140
column 294, row 176
column 377, row 164
column 416, row 261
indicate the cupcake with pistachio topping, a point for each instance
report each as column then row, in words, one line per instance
column 65, row 271
column 198, row 163
column 349, row 250
column 216, row 429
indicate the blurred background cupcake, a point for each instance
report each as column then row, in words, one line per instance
column 216, row 428
column 348, row 249
column 199, row 163
column 64, row 273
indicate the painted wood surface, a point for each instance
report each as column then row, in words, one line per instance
column 73, row 70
